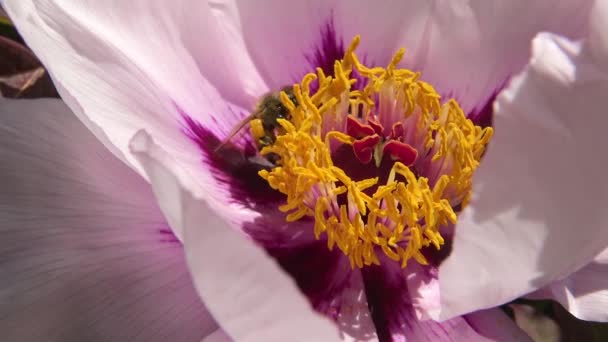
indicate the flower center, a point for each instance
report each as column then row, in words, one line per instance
column 379, row 169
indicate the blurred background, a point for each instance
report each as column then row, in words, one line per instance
column 23, row 77
column 21, row 74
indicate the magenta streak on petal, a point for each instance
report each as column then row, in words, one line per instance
column 166, row 235
column 232, row 167
column 388, row 299
column 392, row 311
column 434, row 256
column 330, row 49
column 320, row 274
column 482, row 116
column 327, row 51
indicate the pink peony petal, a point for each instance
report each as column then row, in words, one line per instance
column 86, row 254
column 132, row 90
column 288, row 40
column 218, row 336
column 353, row 317
column 122, row 80
column 138, row 65
column 538, row 209
column 494, row 325
column 394, row 316
column 469, row 49
column 584, row 293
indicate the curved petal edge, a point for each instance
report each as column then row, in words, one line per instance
column 244, row 289
column 538, row 211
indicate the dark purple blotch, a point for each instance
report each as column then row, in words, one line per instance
column 482, row 116
column 235, row 166
column 312, row 265
column 330, row 48
column 320, row 274
column 232, row 166
column 436, row 256
column 167, row 235
column 387, row 297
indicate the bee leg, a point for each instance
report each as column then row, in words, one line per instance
column 268, row 140
column 261, row 162
column 265, row 141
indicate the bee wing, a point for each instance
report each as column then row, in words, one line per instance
column 236, row 130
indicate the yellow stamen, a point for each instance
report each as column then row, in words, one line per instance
column 363, row 217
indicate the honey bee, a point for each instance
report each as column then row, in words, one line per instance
column 268, row 111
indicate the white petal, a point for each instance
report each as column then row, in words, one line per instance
column 469, row 49
column 217, row 336
column 584, row 293
column 538, row 211
column 246, row 291
column 354, row 318
column 390, row 302
column 494, row 325
column 125, row 66
column 283, row 37
column 85, row 254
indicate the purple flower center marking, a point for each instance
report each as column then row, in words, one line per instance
column 327, row 52
column 424, row 154
column 330, row 50
column 168, row 236
column 232, row 167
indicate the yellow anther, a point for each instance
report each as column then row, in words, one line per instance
column 287, row 101
column 440, row 186
column 403, row 213
column 341, row 137
column 327, row 105
column 367, row 183
column 393, row 64
column 321, row 76
column 350, row 51
column 287, row 126
column 306, row 81
column 385, row 190
column 390, row 253
column 298, row 214
column 342, row 81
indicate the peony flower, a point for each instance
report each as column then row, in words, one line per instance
column 87, row 254
column 162, row 86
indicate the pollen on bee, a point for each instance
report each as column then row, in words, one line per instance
column 257, row 128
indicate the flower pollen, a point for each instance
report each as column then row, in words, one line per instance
column 418, row 155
